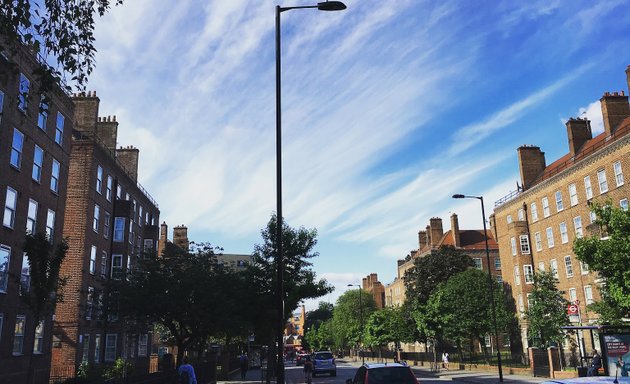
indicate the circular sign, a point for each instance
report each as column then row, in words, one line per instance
column 572, row 309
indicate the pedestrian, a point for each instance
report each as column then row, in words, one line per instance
column 596, row 364
column 308, row 369
column 186, row 373
column 445, row 360
column 244, row 365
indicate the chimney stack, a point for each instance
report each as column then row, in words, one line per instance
column 180, row 237
column 107, row 131
column 455, row 229
column 615, row 109
column 578, row 132
column 85, row 112
column 531, row 161
column 436, row 230
column 128, row 157
column 422, row 239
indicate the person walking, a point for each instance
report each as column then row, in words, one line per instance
column 308, row 369
column 596, row 364
column 445, row 360
column 244, row 365
column 186, row 373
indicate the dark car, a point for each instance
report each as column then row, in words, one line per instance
column 389, row 373
column 300, row 358
column 324, row 362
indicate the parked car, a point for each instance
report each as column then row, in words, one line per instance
column 398, row 373
column 300, row 358
column 324, row 362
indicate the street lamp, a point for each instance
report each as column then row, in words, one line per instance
column 322, row 6
column 360, row 318
column 490, row 280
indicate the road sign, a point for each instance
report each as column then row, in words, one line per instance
column 572, row 309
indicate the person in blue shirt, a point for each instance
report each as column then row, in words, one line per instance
column 186, row 373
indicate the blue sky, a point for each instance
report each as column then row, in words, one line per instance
column 389, row 108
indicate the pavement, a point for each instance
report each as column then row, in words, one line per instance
column 457, row 376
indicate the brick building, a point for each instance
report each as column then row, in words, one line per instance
column 110, row 220
column 371, row 285
column 35, row 139
column 536, row 225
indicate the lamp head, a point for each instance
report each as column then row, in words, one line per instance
column 331, row 6
column 458, row 196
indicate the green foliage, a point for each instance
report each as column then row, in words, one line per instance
column 385, row 326
column 352, row 306
column 610, row 258
column 44, row 260
column 320, row 337
column 314, row 319
column 61, row 31
column 547, row 311
column 119, row 370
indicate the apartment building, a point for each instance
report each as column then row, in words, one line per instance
column 372, row 286
column 537, row 225
column 110, row 219
column 35, row 139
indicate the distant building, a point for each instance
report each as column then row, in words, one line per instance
column 35, row 142
column 294, row 331
column 537, row 224
column 110, row 221
column 371, row 285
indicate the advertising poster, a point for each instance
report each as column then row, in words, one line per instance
column 618, row 354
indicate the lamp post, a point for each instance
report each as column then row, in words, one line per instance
column 490, row 280
column 322, row 6
column 360, row 319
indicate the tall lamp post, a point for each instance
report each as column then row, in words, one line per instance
column 360, row 318
column 490, row 280
column 322, row 6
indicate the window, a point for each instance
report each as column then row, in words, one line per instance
column 116, row 265
column 118, row 191
column 517, row 275
column 534, row 212
column 148, row 245
column 97, row 348
column 592, row 216
column 31, row 219
column 528, row 273
column 23, row 90
column 545, row 205
column 618, row 173
column 16, row 148
column 509, row 219
column 54, row 177
column 572, row 295
column 106, row 227
column 108, row 188
column 93, row 260
column 38, row 346
column 97, row 217
column 553, row 268
column 529, row 300
column 524, row 239
column 601, row 180
column 43, row 113
column 59, row 128
column 497, row 263
column 577, row 224
column 478, row 263
column 18, row 335
column 584, row 268
column 119, row 229
column 25, row 276
column 104, row 264
column 10, row 205
column 521, row 304
column 110, row 347
column 559, row 204
column 86, row 347
column 50, row 224
column 140, row 216
column 568, row 264
column 521, row 214
column 588, row 294
column 588, row 188
column 499, row 279
column 541, row 266
column 538, row 240
column 38, row 161
column 623, row 203
column 564, row 236
column 99, row 179
column 89, row 303
column 5, row 258
column 1, row 109
column 513, row 245
column 143, row 343
column 573, row 197
column 550, row 242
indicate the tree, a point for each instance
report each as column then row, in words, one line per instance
column 461, row 307
column 385, row 326
column 61, row 29
column 320, row 336
column 347, row 322
column 546, row 312
column 314, row 320
column 607, row 251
